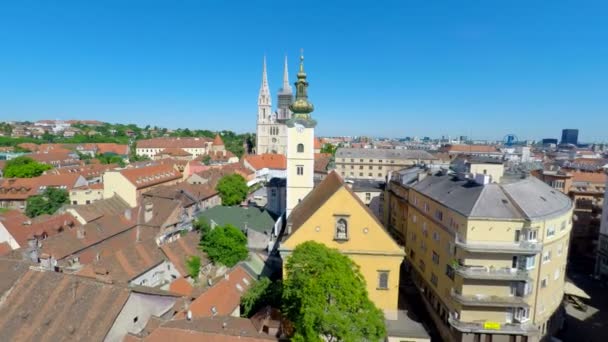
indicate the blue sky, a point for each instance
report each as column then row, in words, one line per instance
column 384, row 68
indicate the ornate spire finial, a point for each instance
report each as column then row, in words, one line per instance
column 301, row 107
column 302, row 62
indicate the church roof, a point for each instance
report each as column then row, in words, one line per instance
column 217, row 141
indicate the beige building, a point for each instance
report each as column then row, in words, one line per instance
column 366, row 163
column 194, row 146
column 488, row 256
column 129, row 184
column 86, row 194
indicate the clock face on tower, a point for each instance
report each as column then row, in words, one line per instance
column 299, row 128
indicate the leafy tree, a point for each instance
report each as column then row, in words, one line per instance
column 329, row 148
column 46, row 203
column 325, row 296
column 24, row 167
column 203, row 227
column 110, row 158
column 193, row 264
column 264, row 292
column 207, row 159
column 232, row 189
column 225, row 245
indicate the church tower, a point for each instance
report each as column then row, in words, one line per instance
column 265, row 117
column 300, row 144
column 285, row 97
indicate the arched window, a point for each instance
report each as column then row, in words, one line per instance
column 300, row 148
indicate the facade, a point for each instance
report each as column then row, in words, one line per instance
column 569, row 136
column 601, row 264
column 334, row 216
column 271, row 131
column 194, row 146
column 375, row 164
column 129, row 184
column 300, row 144
column 86, row 194
column 488, row 257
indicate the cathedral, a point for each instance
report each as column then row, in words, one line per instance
column 271, row 129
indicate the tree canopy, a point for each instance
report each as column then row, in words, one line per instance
column 110, row 158
column 325, row 296
column 193, row 265
column 46, row 203
column 24, row 167
column 225, row 245
column 264, row 292
column 232, row 189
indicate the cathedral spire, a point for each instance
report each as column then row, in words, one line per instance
column 301, row 107
column 264, row 96
column 286, row 86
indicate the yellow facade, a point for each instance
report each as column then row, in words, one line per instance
column 476, row 274
column 368, row 244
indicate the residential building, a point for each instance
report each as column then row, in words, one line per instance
column 14, row 192
column 86, row 194
column 333, row 215
column 85, row 213
column 601, row 263
column 210, row 175
column 266, row 165
column 271, row 130
column 195, row 146
column 370, row 192
column 375, row 164
column 129, row 184
column 17, row 229
column 472, row 150
column 489, row 257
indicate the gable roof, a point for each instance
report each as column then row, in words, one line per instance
column 179, row 250
column 217, row 141
column 60, row 307
column 173, row 142
column 209, row 329
column 267, row 160
column 146, row 176
column 105, row 207
column 223, row 297
column 22, row 228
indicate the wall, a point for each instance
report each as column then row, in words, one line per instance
column 298, row 186
column 163, row 273
column 136, row 312
column 116, row 184
column 85, row 196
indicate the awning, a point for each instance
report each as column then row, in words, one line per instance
column 573, row 290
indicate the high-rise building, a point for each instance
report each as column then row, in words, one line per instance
column 300, row 144
column 271, row 132
column 569, row 136
column 487, row 252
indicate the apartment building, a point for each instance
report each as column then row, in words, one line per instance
column 194, row 146
column 489, row 256
column 364, row 163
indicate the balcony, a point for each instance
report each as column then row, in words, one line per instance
column 490, row 273
column 521, row 247
column 492, row 327
column 489, row 300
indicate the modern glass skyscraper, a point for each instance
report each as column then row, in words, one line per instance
column 569, row 136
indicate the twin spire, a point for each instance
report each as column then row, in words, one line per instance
column 265, row 89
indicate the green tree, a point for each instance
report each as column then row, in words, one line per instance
column 46, row 203
column 232, row 189
column 207, row 159
column 193, row 264
column 225, row 245
column 329, row 148
column 325, row 296
column 264, row 292
column 110, row 158
column 202, row 226
column 24, row 167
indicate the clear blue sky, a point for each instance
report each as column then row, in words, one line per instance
column 399, row 68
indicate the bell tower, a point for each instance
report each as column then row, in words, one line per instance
column 300, row 144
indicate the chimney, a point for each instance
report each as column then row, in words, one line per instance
column 128, row 214
column 137, row 234
column 189, row 315
column 80, row 233
column 148, row 211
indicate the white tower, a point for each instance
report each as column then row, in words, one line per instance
column 300, row 144
column 265, row 116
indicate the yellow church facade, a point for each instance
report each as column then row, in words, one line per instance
column 333, row 215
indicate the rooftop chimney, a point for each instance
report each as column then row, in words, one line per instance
column 128, row 215
column 189, row 315
column 80, row 233
column 148, row 211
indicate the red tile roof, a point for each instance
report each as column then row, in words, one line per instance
column 322, row 162
column 267, row 160
column 5, row 248
column 217, row 141
column 23, row 228
column 589, row 177
column 181, row 286
column 147, row 176
column 469, row 149
column 318, row 144
column 22, row 188
column 181, row 249
column 223, row 297
column 212, row 329
column 173, row 142
column 174, row 151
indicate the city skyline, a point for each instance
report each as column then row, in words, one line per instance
column 401, row 70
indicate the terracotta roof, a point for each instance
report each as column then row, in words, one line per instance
column 181, row 286
column 12, row 271
column 589, row 177
column 211, row 329
column 112, row 148
column 88, row 171
column 23, row 228
column 22, row 188
column 181, row 249
column 174, row 151
column 322, row 162
column 213, row 174
column 63, row 158
column 108, row 206
column 185, row 192
column 127, row 263
column 146, row 176
column 54, row 306
column 5, row 248
column 217, row 141
column 173, row 142
column 318, row 144
column 223, row 297
column 267, row 160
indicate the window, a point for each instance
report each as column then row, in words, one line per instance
column 370, row 174
column 449, row 271
column 427, row 208
column 543, row 283
column 414, row 218
column 352, row 160
column 439, row 215
column 382, row 280
column 341, row 229
column 423, row 245
column 368, row 196
column 360, row 167
column 550, row 231
column 380, row 161
column 435, row 258
column 300, row 148
column 361, row 160
column 380, row 167
column 379, row 175
column 360, row 174
column 563, row 225
column 352, row 167
column 560, row 249
column 421, row 265
column 371, row 167
column 413, row 236
column 546, row 257
column 522, row 314
column 425, row 231
column 300, row 170
column 434, row 279
column 556, row 274
column 530, row 262
column 436, row 236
